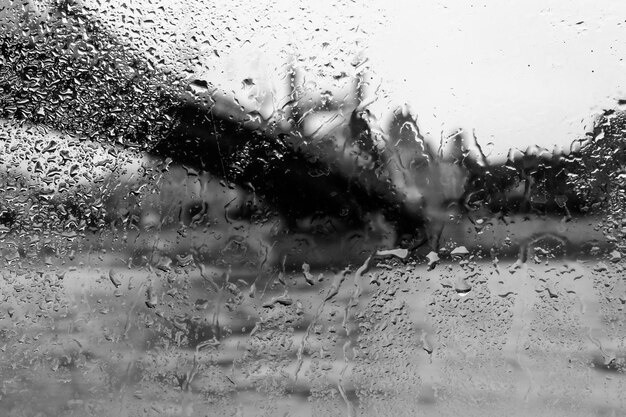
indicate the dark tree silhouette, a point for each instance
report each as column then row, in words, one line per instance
column 68, row 72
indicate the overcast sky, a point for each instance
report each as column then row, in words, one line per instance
column 518, row 72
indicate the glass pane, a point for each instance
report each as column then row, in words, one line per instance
column 270, row 208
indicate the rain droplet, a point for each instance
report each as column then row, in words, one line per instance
column 151, row 298
column 433, row 259
column 114, row 276
column 459, row 251
column 284, row 300
column 199, row 86
column 400, row 253
column 462, row 287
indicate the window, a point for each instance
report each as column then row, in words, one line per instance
column 270, row 208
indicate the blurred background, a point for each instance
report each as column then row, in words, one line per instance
column 227, row 208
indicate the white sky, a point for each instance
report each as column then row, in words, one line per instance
column 518, row 72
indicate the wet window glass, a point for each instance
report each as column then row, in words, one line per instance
column 288, row 208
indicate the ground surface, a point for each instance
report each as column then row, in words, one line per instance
column 99, row 334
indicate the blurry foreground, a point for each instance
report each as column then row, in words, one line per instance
column 154, row 289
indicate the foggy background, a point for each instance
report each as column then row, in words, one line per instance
column 519, row 73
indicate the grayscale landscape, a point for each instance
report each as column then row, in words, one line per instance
column 256, row 209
